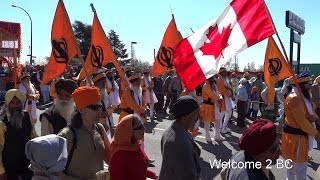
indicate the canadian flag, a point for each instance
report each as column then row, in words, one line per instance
column 242, row 24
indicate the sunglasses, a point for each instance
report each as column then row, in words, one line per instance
column 95, row 107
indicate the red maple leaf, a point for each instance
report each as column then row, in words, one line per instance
column 218, row 42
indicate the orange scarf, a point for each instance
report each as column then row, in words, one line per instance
column 123, row 135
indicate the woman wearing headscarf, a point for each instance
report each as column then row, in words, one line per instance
column 48, row 156
column 128, row 161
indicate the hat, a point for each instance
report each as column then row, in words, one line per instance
column 98, row 76
column 301, row 78
column 85, row 95
column 47, row 154
column 259, row 137
column 183, row 106
column 65, row 84
column 14, row 93
column 134, row 78
column 24, row 75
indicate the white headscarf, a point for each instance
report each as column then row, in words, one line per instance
column 47, row 154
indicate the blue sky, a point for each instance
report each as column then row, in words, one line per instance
column 145, row 21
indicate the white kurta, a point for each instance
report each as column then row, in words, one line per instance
column 31, row 91
column 114, row 95
column 227, row 99
column 150, row 94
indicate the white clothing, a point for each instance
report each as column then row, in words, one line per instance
column 31, row 91
column 114, row 95
column 149, row 93
column 297, row 172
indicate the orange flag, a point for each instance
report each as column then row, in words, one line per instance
column 64, row 45
column 276, row 68
column 164, row 60
column 100, row 52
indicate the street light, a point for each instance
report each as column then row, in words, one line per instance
column 31, row 31
column 133, row 55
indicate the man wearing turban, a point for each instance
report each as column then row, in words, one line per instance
column 32, row 94
column 260, row 148
column 298, row 128
column 226, row 91
column 148, row 95
column 99, row 80
column 113, row 91
column 210, row 109
column 131, row 100
column 16, row 131
column 87, row 141
column 58, row 116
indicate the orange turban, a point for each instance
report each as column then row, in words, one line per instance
column 85, row 96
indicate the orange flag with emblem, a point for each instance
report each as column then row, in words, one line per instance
column 100, row 52
column 164, row 60
column 276, row 68
column 64, row 45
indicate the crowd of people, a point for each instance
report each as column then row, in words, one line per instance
column 80, row 139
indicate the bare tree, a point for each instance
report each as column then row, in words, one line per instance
column 250, row 67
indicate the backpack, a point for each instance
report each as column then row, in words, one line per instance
column 74, row 144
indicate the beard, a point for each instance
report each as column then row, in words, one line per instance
column 65, row 109
column 137, row 90
column 15, row 117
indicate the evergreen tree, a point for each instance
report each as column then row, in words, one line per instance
column 117, row 46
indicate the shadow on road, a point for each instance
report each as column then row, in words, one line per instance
column 221, row 152
column 149, row 127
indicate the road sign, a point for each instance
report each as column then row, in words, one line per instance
column 295, row 22
column 311, row 69
column 8, row 52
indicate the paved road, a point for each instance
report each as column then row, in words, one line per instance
column 209, row 151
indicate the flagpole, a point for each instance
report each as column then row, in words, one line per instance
column 287, row 60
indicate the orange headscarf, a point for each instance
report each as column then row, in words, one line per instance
column 122, row 136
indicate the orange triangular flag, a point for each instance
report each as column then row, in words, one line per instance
column 164, row 60
column 276, row 68
column 100, row 52
column 64, row 45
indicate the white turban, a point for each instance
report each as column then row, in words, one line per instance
column 15, row 93
column 47, row 154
